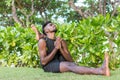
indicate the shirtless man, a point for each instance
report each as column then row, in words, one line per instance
column 55, row 57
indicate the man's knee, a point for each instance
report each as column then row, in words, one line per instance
column 70, row 64
column 66, row 66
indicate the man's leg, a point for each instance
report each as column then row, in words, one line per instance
column 70, row 66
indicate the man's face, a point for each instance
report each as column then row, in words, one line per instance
column 50, row 27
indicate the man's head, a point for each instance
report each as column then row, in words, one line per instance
column 48, row 27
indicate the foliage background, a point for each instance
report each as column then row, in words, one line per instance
column 87, row 41
column 18, row 47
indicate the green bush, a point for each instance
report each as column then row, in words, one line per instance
column 18, row 47
column 87, row 41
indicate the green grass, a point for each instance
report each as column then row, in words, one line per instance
column 38, row 74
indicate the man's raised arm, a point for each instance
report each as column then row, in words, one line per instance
column 38, row 34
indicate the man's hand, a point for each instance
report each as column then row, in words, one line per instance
column 58, row 43
column 38, row 34
column 33, row 27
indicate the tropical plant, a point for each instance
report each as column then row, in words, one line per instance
column 18, row 47
column 87, row 41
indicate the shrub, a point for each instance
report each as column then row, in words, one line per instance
column 18, row 47
column 87, row 41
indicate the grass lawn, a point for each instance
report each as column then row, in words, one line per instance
column 38, row 74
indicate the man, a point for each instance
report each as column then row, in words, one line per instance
column 55, row 57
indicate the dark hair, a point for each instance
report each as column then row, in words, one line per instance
column 43, row 26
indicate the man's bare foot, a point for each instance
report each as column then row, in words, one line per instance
column 105, row 66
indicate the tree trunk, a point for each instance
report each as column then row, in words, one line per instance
column 92, row 7
column 14, row 14
column 29, row 15
column 104, row 8
column 100, row 7
column 114, row 5
column 72, row 5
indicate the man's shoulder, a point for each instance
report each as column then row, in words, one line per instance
column 41, row 40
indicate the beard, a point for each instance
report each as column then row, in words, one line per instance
column 54, row 30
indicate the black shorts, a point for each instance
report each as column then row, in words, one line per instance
column 54, row 65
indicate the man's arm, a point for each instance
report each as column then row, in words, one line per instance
column 38, row 34
column 65, row 52
column 43, row 55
